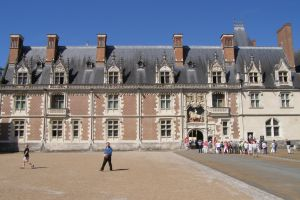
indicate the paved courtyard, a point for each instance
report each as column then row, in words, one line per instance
column 277, row 174
column 136, row 175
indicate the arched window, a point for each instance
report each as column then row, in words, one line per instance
column 272, row 127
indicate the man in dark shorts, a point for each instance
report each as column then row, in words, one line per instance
column 107, row 156
column 26, row 157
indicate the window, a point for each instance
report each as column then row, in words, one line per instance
column 164, row 77
column 19, row 128
column 59, row 77
column 113, row 101
column 254, row 100
column 272, row 127
column 283, row 77
column 76, row 128
column 225, row 127
column 165, row 128
column 20, row 102
column 165, row 101
column 253, row 78
column 57, row 129
column 58, row 102
column 113, row 77
column 216, row 77
column 112, row 128
column 218, row 100
column 285, row 100
column 22, row 78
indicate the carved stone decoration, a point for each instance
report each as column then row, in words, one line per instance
column 195, row 104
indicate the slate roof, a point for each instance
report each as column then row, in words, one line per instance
column 194, row 71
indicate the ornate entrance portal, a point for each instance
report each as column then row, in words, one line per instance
column 194, row 136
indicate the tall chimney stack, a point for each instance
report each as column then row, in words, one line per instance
column 52, row 47
column 228, row 47
column 16, row 46
column 285, row 40
column 178, row 49
column 101, row 48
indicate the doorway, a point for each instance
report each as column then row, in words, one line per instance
column 194, row 136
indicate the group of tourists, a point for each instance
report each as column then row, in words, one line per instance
column 247, row 147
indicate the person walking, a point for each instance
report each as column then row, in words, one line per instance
column 200, row 145
column 26, row 157
column 107, row 156
column 288, row 146
column 273, row 147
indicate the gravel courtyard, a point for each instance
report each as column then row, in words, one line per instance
column 136, row 175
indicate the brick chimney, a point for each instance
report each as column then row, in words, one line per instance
column 253, row 43
column 16, row 46
column 228, row 47
column 101, row 48
column 178, row 49
column 52, row 47
column 285, row 40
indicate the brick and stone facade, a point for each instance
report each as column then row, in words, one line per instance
column 77, row 98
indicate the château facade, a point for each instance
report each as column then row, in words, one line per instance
column 148, row 97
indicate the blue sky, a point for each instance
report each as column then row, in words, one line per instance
column 137, row 22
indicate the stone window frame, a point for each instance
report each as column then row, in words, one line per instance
column 223, row 100
column 115, row 99
column 283, row 67
column 227, row 127
column 167, row 101
column 165, row 128
column 18, row 137
column 290, row 100
column 23, row 100
column 253, row 77
column 216, row 67
column 114, row 122
column 163, row 68
column 251, row 69
column 272, row 127
column 57, row 138
column 113, row 77
column 253, row 101
column 22, row 78
column 116, row 67
column 51, row 105
column 59, row 78
column 78, row 129
column 59, row 67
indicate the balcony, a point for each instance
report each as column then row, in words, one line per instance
column 57, row 111
column 219, row 111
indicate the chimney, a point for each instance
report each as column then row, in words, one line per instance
column 253, row 43
column 228, row 47
column 101, row 48
column 16, row 46
column 285, row 40
column 52, row 47
column 178, row 49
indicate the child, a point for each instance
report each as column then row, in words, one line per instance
column 26, row 157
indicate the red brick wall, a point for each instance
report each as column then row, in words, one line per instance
column 129, row 129
column 6, row 105
column 149, row 105
column 98, row 135
column 149, row 129
column 99, row 102
column 35, row 105
column 85, row 129
column 129, row 105
column 234, row 110
column 35, row 126
column 79, row 105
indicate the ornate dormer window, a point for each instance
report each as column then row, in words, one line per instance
column 216, row 71
column 283, row 74
column 40, row 64
column 59, row 72
column 22, row 75
column 113, row 72
column 89, row 63
column 164, row 72
column 253, row 73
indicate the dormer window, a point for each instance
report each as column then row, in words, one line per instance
column 216, row 77
column 164, row 77
column 89, row 63
column 253, row 77
column 22, row 78
column 113, row 77
column 216, row 71
column 164, row 72
column 59, row 77
column 283, row 77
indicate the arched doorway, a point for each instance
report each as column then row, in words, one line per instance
column 194, row 136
